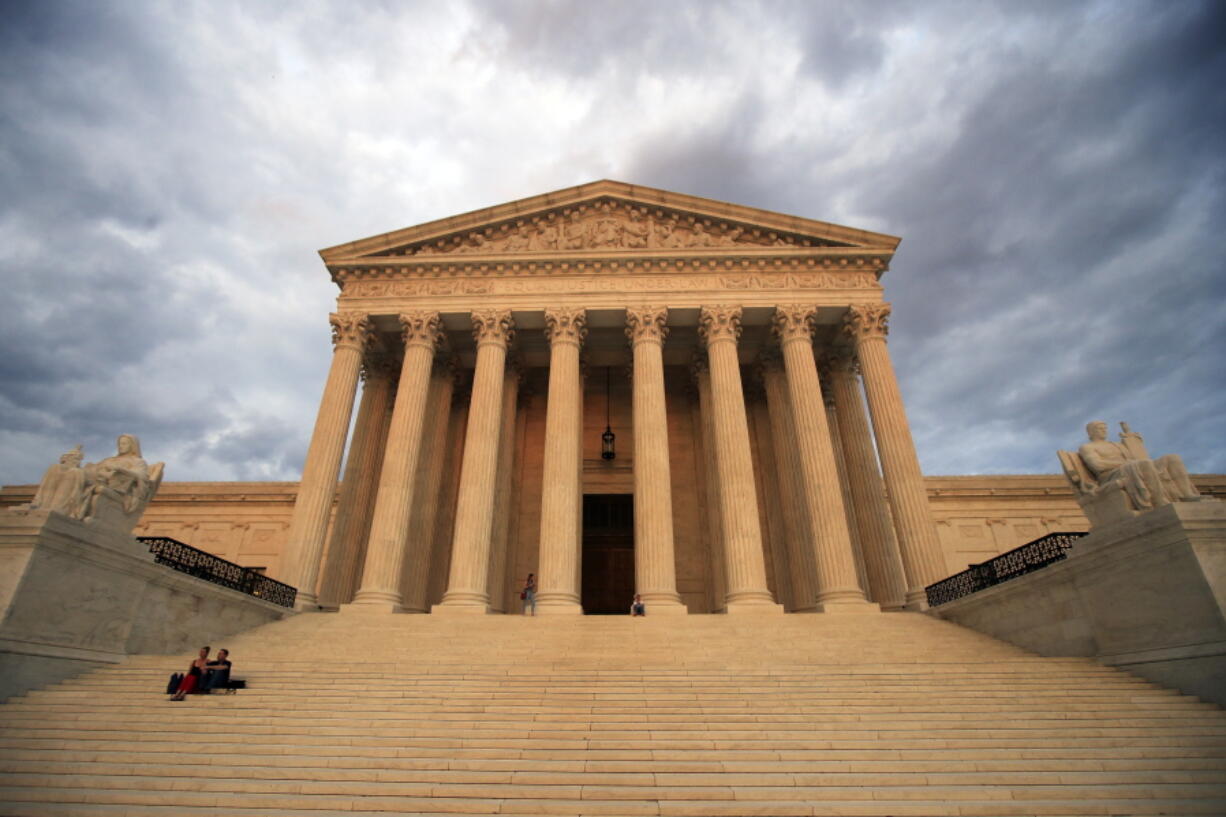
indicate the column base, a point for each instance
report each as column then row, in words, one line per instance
column 665, row 607
column 558, row 603
column 306, row 603
column 462, row 602
column 559, row 608
column 457, row 608
column 917, row 601
column 372, row 607
column 753, row 607
column 848, row 606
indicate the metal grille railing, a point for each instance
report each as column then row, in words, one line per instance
column 1018, row 562
column 187, row 559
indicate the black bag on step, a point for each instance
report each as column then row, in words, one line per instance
column 176, row 678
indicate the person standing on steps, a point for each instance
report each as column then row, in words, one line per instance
column 637, row 608
column 528, row 594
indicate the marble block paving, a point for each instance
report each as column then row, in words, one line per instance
column 850, row 714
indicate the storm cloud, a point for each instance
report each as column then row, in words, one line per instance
column 1055, row 170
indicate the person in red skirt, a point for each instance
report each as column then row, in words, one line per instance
column 194, row 673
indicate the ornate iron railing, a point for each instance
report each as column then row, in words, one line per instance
column 193, row 562
column 1018, row 562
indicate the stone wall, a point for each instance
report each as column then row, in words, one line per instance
column 73, row 597
column 1147, row 595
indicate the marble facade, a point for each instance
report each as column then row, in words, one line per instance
column 740, row 356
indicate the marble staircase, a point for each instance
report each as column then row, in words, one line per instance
column 868, row 714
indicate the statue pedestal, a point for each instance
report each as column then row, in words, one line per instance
column 76, row 596
column 1146, row 594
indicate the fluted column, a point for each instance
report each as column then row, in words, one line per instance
column 720, row 328
column 505, row 488
column 708, row 476
column 801, row 556
column 819, row 479
column 467, row 584
column 655, row 569
column 415, row 573
column 917, row 535
column 351, row 335
column 346, row 543
column 389, row 528
column 840, row 463
column 561, row 491
column 877, row 541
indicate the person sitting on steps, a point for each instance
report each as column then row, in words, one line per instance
column 194, row 673
column 217, row 673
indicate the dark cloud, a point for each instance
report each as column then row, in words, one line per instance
column 1054, row 169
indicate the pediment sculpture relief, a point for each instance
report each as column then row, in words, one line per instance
column 1119, row 480
column 111, row 493
column 608, row 225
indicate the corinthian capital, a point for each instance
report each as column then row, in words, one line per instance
column 646, row 323
column 493, row 326
column 793, row 322
column 716, row 323
column 351, row 329
column 566, row 326
column 421, row 328
column 867, row 321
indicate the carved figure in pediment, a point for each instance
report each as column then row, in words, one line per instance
column 668, row 235
column 520, row 238
column 607, row 233
column 545, row 237
column 636, row 231
column 574, row 233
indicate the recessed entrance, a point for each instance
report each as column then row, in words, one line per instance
column 608, row 553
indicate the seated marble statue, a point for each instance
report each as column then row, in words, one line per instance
column 125, row 480
column 63, row 486
column 1119, row 479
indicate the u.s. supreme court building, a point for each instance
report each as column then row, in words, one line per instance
column 622, row 390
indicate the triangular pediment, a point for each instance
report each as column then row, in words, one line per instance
column 606, row 216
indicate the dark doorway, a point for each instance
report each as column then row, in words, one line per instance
column 608, row 553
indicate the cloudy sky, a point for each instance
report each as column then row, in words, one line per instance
column 169, row 170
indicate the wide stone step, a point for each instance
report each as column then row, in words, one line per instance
column 874, row 715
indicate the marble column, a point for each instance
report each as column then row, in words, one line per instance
column 877, row 541
column 351, row 335
column 745, row 568
column 467, row 589
column 389, row 527
column 917, row 535
column 837, row 587
column 655, row 568
column 840, row 463
column 708, row 478
column 801, row 556
column 562, row 468
column 497, row 581
column 346, row 542
column 415, row 573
